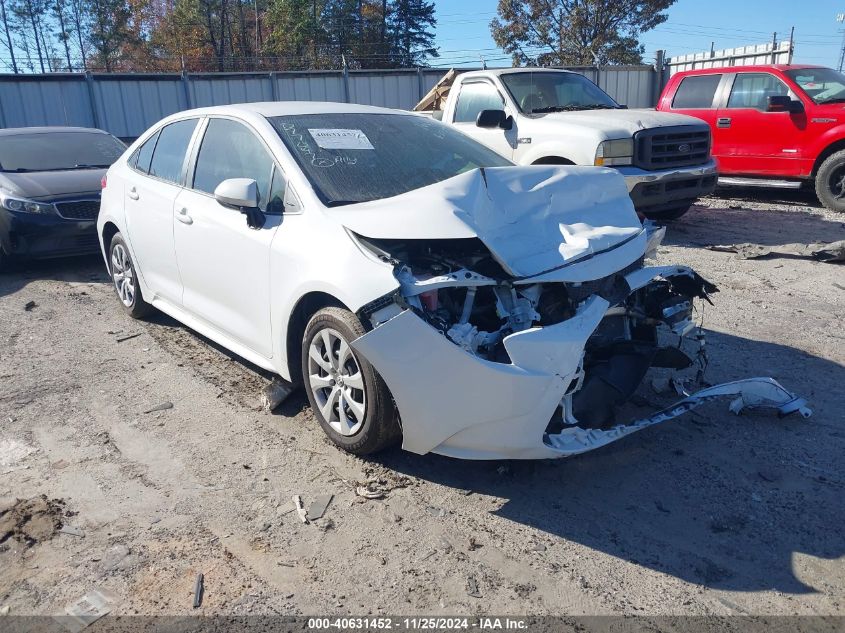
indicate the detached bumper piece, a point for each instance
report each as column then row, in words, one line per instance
column 751, row 393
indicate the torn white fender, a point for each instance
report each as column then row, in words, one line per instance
column 752, row 393
column 454, row 403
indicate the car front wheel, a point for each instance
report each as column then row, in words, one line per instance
column 125, row 280
column 349, row 399
column 830, row 182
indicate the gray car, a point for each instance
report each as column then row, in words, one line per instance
column 50, row 183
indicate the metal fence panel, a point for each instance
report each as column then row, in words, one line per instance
column 210, row 90
column 323, row 86
column 126, row 105
column 44, row 100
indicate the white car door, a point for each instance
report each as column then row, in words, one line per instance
column 474, row 97
column 152, row 184
column 225, row 264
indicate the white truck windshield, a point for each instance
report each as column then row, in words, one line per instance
column 541, row 92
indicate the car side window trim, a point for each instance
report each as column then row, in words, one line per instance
column 475, row 82
column 191, row 166
column 157, row 135
column 758, row 107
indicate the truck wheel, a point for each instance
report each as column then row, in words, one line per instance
column 830, row 182
column 349, row 399
column 668, row 215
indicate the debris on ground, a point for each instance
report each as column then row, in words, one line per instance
column 198, row 590
column 377, row 486
column 30, row 306
column 85, row 611
column 12, row 452
column 30, row 521
column 114, row 558
column 5, row 610
column 164, row 406
column 318, row 507
column 128, row 337
column 823, row 251
column 275, row 393
column 71, row 531
column 472, row 587
column 300, row 509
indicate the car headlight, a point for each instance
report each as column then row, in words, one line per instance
column 618, row 151
column 22, row 205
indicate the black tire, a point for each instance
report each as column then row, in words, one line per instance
column 830, row 182
column 379, row 427
column 668, row 215
column 137, row 308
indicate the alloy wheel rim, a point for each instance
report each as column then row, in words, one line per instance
column 336, row 382
column 121, row 272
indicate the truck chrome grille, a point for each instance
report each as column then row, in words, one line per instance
column 667, row 147
column 79, row 209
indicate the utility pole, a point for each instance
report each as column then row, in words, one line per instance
column 840, row 17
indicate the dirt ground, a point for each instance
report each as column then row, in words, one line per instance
column 708, row 514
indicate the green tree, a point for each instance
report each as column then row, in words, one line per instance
column 576, row 32
column 294, row 32
column 110, row 31
column 409, row 26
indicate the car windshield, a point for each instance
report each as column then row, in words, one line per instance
column 822, row 85
column 358, row 157
column 58, row 151
column 536, row 93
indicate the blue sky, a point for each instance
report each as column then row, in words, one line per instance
column 463, row 30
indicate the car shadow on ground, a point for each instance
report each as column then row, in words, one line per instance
column 707, row 226
column 805, row 196
column 711, row 498
column 84, row 269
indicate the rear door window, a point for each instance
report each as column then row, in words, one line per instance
column 145, row 154
column 475, row 97
column 696, row 92
column 169, row 154
column 752, row 90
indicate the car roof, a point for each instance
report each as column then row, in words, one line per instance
column 13, row 131
column 745, row 69
column 283, row 108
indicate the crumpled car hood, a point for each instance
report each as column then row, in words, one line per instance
column 534, row 219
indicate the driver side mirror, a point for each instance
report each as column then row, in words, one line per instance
column 241, row 194
column 782, row 103
column 494, row 119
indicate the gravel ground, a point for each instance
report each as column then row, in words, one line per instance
column 708, row 514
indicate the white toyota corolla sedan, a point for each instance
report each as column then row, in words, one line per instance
column 414, row 282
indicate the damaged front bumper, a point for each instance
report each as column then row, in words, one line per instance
column 456, row 403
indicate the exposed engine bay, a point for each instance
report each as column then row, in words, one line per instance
column 458, row 288
column 524, row 316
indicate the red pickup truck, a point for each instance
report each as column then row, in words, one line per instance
column 774, row 125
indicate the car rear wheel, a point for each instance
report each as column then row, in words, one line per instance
column 668, row 215
column 349, row 399
column 125, row 280
column 830, row 182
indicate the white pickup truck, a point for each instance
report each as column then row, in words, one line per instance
column 545, row 116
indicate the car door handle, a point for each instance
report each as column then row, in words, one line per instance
column 723, row 121
column 133, row 193
column 183, row 216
